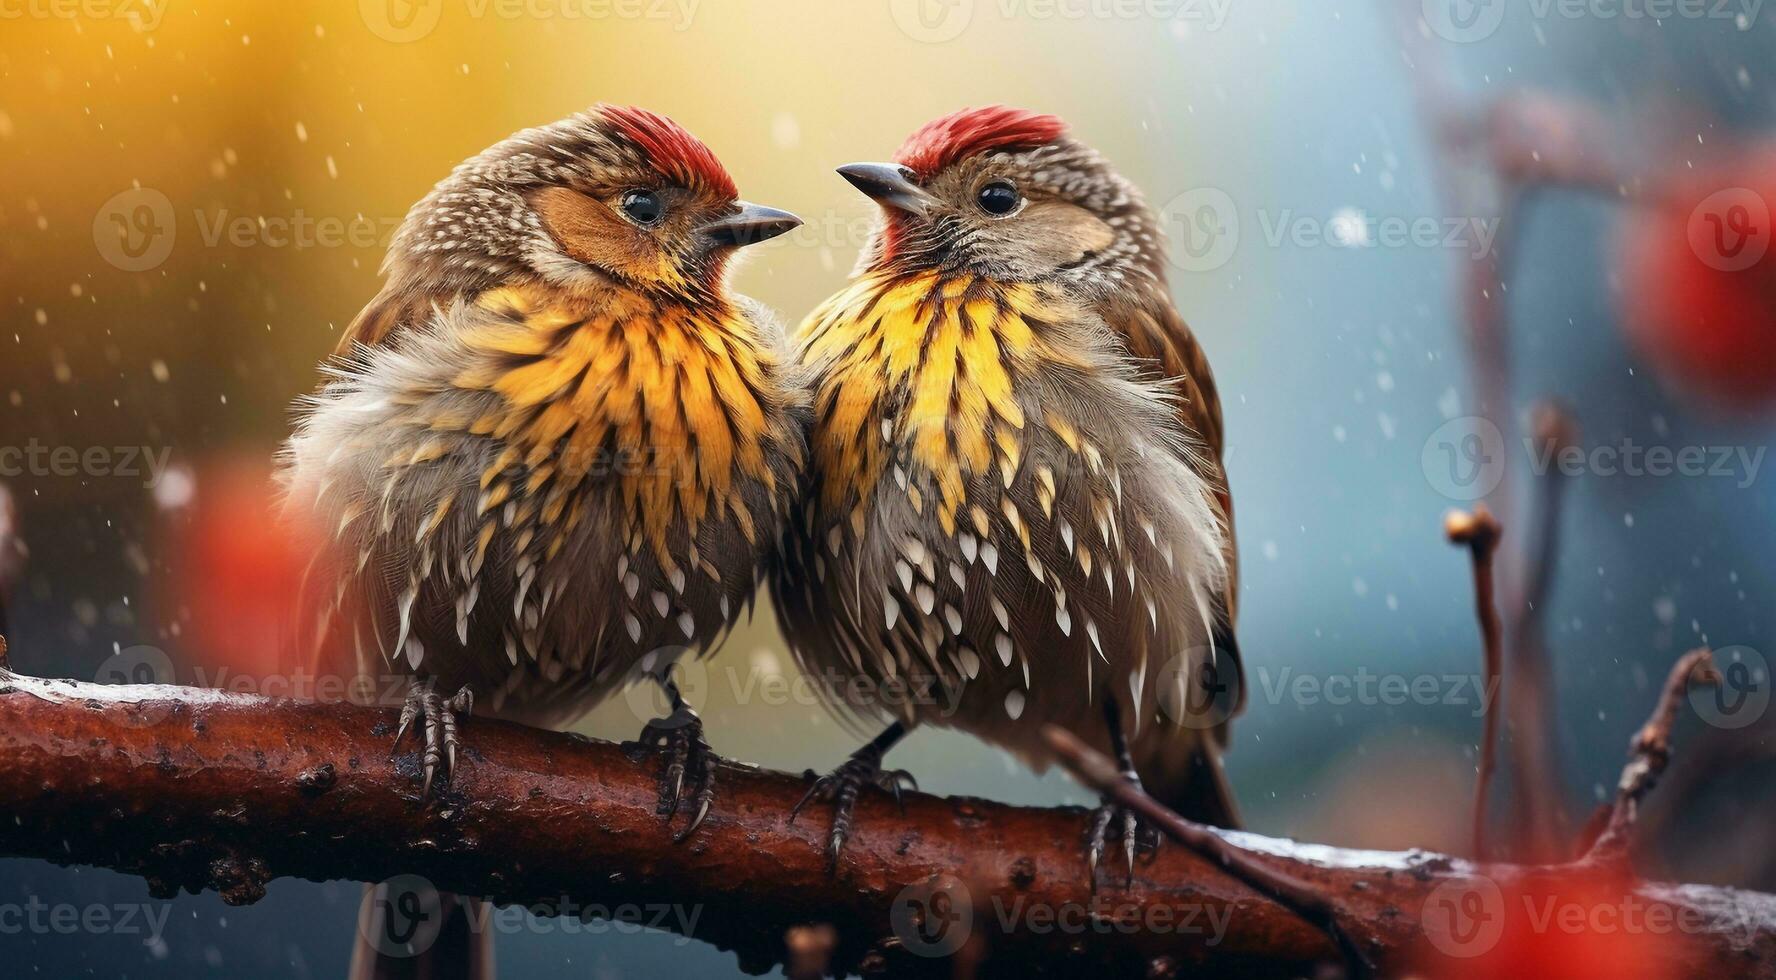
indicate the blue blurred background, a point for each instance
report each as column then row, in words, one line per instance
column 1283, row 138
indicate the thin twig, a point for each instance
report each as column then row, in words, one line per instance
column 1541, row 814
column 1649, row 753
column 1097, row 772
column 1480, row 532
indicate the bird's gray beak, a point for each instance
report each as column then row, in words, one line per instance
column 753, row 224
column 890, row 185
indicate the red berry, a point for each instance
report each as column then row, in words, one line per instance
column 1699, row 281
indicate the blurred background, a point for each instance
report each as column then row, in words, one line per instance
column 197, row 194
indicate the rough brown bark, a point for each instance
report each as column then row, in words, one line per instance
column 197, row 789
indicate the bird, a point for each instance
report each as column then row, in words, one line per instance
column 1015, row 511
column 550, row 456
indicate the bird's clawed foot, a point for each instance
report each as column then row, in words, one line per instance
column 841, row 786
column 1113, row 821
column 680, row 735
column 439, row 728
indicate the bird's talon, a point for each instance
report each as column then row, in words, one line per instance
column 840, row 788
column 896, row 781
column 1134, row 834
column 810, row 794
column 680, row 736
column 434, row 721
column 696, row 821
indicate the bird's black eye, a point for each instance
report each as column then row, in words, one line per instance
column 643, row 207
column 999, row 197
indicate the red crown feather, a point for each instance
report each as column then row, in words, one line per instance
column 670, row 148
column 960, row 135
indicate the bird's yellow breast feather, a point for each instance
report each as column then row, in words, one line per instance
column 929, row 362
column 666, row 399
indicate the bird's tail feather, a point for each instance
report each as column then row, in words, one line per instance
column 1194, row 785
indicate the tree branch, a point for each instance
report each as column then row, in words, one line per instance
column 1541, row 814
column 198, row 789
column 1480, row 532
column 1649, row 753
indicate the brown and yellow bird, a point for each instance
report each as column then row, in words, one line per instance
column 553, row 452
column 1015, row 508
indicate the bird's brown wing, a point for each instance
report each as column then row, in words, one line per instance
column 1159, row 339
column 393, row 310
